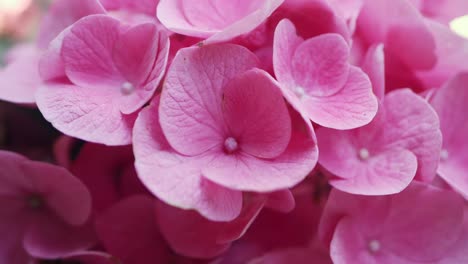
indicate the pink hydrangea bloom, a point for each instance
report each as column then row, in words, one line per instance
column 192, row 235
column 317, row 78
column 134, row 219
column 450, row 103
column 293, row 230
column 221, row 127
column 393, row 228
column 44, row 211
column 215, row 21
column 108, row 172
column 110, row 69
column 401, row 143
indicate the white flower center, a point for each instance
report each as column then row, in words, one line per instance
column 127, row 88
column 299, row 91
column 444, row 155
column 364, row 154
column 374, row 246
column 230, row 145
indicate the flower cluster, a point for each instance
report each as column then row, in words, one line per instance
column 247, row 131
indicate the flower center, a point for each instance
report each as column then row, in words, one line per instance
column 299, row 91
column 35, row 202
column 444, row 155
column 374, row 246
column 230, row 145
column 364, row 154
column 127, row 88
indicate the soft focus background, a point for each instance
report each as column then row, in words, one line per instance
column 19, row 22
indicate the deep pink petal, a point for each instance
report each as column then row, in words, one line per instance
column 294, row 255
column 174, row 178
column 50, row 238
column 190, row 234
column 401, row 28
column 64, row 194
column 256, row 114
column 133, row 219
column 190, row 111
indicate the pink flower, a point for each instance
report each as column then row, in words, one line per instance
column 108, row 71
column 222, row 127
column 192, row 235
column 401, row 143
column 318, row 79
column 44, row 211
column 393, row 228
column 108, row 172
column 450, row 103
column 134, row 219
column 216, row 21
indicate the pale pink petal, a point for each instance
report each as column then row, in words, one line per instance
column 147, row 7
column 450, row 103
column 174, row 178
column 190, row 234
column 85, row 113
column 133, row 219
column 387, row 154
column 394, row 229
column 20, row 78
column 140, row 55
column 256, row 114
column 286, row 42
column 353, row 106
column 216, row 20
column 51, row 64
column 383, row 173
column 191, row 114
column 63, row 13
column 247, row 23
column 319, row 65
column 241, row 171
column 413, row 124
column 87, row 53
